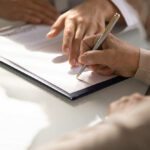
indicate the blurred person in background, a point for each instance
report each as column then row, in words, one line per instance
column 30, row 11
column 35, row 11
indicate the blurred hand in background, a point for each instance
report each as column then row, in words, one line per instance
column 30, row 11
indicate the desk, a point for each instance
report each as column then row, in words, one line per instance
column 65, row 116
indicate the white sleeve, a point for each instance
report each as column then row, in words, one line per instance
column 128, row 12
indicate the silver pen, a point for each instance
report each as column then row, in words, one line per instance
column 108, row 29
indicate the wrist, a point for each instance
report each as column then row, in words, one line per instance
column 135, row 61
column 110, row 10
column 104, row 7
column 114, row 7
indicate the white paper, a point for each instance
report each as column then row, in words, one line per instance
column 20, row 122
column 29, row 47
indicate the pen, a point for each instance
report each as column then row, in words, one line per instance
column 108, row 29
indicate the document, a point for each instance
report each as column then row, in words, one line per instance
column 28, row 47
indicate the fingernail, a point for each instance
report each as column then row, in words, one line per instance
column 82, row 59
column 51, row 32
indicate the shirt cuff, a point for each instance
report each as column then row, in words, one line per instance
column 127, row 11
column 143, row 72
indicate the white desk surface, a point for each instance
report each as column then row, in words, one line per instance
column 65, row 116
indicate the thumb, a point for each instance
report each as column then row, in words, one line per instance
column 95, row 57
column 88, row 43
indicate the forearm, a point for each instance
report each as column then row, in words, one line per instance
column 123, row 131
column 126, row 131
column 103, row 136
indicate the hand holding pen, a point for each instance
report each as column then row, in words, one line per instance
column 108, row 29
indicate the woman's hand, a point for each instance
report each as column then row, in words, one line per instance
column 116, row 56
column 86, row 19
column 31, row 11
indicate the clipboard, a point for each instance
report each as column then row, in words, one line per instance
column 9, row 65
column 7, row 61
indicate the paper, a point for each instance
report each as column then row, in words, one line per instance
column 29, row 47
column 20, row 122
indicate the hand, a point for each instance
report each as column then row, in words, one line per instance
column 31, row 11
column 127, row 104
column 86, row 19
column 117, row 57
column 118, row 131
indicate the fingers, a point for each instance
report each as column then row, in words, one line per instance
column 88, row 43
column 75, row 50
column 27, row 16
column 101, row 26
column 94, row 57
column 57, row 27
column 110, row 41
column 46, row 5
column 91, row 31
column 69, row 32
column 47, row 12
column 36, row 9
column 44, row 19
column 102, row 70
column 96, row 28
column 92, row 35
column 31, row 17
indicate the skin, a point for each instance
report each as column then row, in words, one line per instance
column 127, row 104
column 128, row 108
column 31, row 11
column 116, row 56
column 86, row 19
